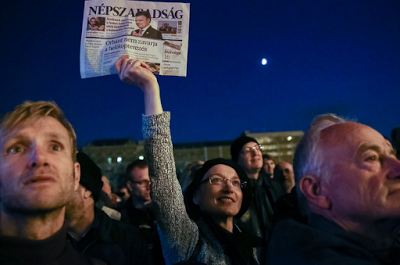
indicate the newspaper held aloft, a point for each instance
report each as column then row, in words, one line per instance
column 154, row 32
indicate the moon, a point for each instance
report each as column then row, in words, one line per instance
column 264, row 61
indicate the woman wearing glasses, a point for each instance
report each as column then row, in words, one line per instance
column 217, row 194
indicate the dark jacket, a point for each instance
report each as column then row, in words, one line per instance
column 112, row 241
column 145, row 220
column 258, row 218
column 151, row 33
column 321, row 242
column 54, row 250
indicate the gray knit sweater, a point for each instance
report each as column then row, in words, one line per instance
column 178, row 233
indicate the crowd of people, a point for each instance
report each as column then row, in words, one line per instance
column 338, row 204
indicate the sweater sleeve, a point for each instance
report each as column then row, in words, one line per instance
column 178, row 233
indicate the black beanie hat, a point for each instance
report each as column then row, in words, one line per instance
column 237, row 145
column 90, row 175
column 193, row 210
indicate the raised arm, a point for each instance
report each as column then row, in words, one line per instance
column 178, row 234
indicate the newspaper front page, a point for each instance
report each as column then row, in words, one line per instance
column 154, row 32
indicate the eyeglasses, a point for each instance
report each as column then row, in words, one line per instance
column 236, row 183
column 142, row 183
column 255, row 148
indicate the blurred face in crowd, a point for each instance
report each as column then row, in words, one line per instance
column 92, row 21
column 125, row 191
column 223, row 200
column 139, row 185
column 106, row 185
column 288, row 172
column 37, row 172
column 142, row 21
column 250, row 157
column 364, row 182
column 269, row 166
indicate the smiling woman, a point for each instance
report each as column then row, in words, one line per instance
column 219, row 191
column 204, row 229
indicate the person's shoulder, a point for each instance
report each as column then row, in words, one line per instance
column 115, row 224
column 310, row 245
column 113, row 229
column 155, row 31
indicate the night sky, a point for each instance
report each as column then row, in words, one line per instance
column 323, row 56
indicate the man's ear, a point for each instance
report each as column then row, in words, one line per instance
column 311, row 187
column 77, row 169
column 129, row 185
column 87, row 194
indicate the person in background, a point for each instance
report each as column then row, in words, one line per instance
column 268, row 165
column 138, row 210
column 258, row 219
column 284, row 177
column 108, row 201
column 92, row 232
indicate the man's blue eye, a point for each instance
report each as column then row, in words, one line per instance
column 16, row 149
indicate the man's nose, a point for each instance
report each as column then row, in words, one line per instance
column 393, row 165
column 37, row 156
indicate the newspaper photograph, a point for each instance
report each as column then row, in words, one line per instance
column 154, row 32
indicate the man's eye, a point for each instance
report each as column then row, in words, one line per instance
column 56, row 148
column 372, row 158
column 16, row 149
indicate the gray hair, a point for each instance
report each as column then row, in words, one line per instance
column 307, row 158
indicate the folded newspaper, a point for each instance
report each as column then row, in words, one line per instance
column 154, row 32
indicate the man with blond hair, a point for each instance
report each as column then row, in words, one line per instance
column 38, row 176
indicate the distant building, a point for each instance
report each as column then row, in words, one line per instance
column 184, row 153
column 113, row 156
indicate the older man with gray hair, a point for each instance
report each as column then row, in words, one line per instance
column 348, row 185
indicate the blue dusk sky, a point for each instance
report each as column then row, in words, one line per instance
column 338, row 56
